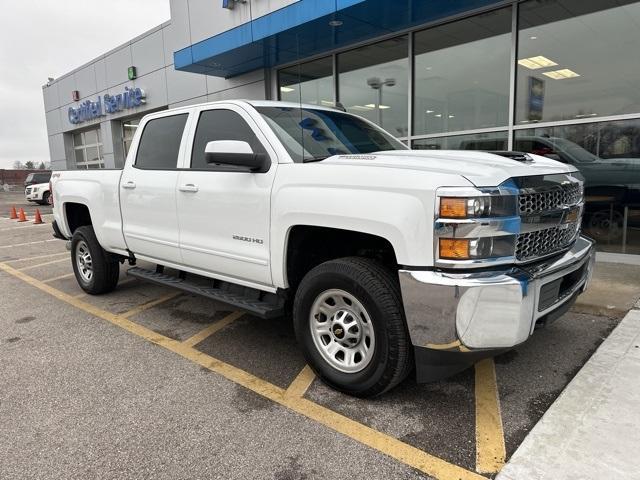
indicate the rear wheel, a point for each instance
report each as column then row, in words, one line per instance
column 95, row 271
column 349, row 320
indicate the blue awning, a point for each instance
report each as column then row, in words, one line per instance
column 303, row 29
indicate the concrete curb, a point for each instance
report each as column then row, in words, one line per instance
column 592, row 430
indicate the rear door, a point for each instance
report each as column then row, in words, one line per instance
column 148, row 188
column 224, row 214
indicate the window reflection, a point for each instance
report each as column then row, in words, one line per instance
column 462, row 74
column 373, row 83
column 577, row 59
column 608, row 156
column 482, row 141
column 310, row 82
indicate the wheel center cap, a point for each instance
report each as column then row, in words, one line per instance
column 338, row 331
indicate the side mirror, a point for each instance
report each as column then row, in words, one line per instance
column 237, row 154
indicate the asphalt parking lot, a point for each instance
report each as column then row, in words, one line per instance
column 147, row 382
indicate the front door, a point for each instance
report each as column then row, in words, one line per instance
column 224, row 214
column 148, row 190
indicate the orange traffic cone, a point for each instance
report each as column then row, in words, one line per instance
column 21, row 216
column 13, row 215
column 38, row 219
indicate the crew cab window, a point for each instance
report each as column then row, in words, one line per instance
column 221, row 125
column 160, row 143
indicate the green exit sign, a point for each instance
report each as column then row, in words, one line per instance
column 131, row 72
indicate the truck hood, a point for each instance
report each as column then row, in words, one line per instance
column 480, row 168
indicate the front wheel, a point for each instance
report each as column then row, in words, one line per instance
column 349, row 321
column 95, row 271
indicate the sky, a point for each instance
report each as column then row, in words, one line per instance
column 48, row 38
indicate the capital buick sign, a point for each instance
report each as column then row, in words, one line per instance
column 108, row 104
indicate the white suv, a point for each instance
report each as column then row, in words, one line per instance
column 38, row 193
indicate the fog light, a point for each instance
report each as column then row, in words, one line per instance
column 454, row 249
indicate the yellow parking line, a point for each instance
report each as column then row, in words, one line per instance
column 29, row 243
column 60, row 260
column 490, row 449
column 392, row 447
column 37, row 257
column 211, row 329
column 60, row 277
column 151, row 304
column 301, row 383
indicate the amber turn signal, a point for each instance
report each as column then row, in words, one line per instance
column 452, row 207
column 454, row 249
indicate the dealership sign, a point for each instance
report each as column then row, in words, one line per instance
column 88, row 110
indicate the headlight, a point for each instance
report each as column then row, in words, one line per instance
column 476, row 248
column 477, row 207
column 461, row 207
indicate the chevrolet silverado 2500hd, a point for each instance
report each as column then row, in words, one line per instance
column 388, row 259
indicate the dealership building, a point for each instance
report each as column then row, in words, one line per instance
column 554, row 77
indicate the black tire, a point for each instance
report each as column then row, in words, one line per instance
column 378, row 291
column 105, row 270
column 45, row 199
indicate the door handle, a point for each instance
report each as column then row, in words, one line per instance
column 189, row 187
column 129, row 184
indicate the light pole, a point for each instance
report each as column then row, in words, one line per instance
column 377, row 84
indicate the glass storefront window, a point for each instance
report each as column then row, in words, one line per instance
column 310, row 82
column 462, row 74
column 373, row 82
column 608, row 156
column 577, row 59
column 129, row 128
column 87, row 147
column 479, row 141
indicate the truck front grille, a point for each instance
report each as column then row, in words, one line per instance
column 551, row 199
column 533, row 245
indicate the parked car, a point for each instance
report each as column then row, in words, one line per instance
column 37, row 177
column 38, row 193
column 389, row 260
column 610, row 183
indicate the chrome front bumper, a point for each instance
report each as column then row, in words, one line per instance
column 491, row 310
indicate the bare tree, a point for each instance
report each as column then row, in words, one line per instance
column 17, row 165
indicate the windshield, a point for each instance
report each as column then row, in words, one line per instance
column 574, row 151
column 311, row 134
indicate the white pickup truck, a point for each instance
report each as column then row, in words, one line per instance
column 389, row 259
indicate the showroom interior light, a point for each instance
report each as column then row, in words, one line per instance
column 561, row 74
column 381, row 107
column 534, row 63
column 286, row 89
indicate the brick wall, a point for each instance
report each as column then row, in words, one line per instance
column 15, row 177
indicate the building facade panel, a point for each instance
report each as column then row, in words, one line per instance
column 86, row 80
column 147, row 54
column 116, row 64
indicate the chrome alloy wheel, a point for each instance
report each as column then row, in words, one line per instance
column 342, row 331
column 83, row 261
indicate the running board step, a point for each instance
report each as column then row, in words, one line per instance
column 257, row 307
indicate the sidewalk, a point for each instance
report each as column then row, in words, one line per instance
column 592, row 431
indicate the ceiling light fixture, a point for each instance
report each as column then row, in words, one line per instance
column 381, row 107
column 286, row 89
column 561, row 74
column 335, row 23
column 534, row 63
